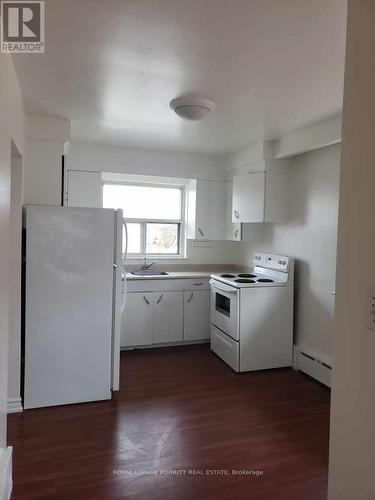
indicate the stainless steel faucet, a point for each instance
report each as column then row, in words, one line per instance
column 147, row 266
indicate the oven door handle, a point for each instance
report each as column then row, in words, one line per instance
column 222, row 288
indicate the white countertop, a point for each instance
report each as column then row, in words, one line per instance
column 172, row 275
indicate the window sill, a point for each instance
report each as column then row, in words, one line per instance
column 155, row 257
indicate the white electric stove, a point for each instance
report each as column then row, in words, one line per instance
column 252, row 314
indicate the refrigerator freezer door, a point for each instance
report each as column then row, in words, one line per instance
column 119, row 296
column 69, row 287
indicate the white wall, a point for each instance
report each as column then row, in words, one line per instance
column 352, row 451
column 95, row 157
column 11, row 128
column 310, row 236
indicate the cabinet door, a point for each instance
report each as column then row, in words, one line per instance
column 249, row 197
column 210, row 210
column 84, row 189
column 277, row 192
column 168, row 317
column 136, row 322
column 197, row 315
column 233, row 230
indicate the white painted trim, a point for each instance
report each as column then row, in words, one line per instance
column 309, row 139
column 318, row 136
column 295, row 358
column 67, row 147
column 321, row 357
column 14, row 405
column 168, row 344
column 252, row 153
column 313, row 364
column 6, row 482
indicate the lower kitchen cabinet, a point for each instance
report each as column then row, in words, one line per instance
column 166, row 312
column 137, row 320
column 168, row 317
column 197, row 315
column 152, row 318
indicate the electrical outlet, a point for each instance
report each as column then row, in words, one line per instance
column 370, row 310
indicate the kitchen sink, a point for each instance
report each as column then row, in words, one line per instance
column 146, row 272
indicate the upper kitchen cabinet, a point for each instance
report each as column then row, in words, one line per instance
column 206, row 210
column 84, row 189
column 248, row 197
column 260, row 194
column 233, row 230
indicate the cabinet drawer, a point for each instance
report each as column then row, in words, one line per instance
column 226, row 348
column 147, row 285
column 197, row 284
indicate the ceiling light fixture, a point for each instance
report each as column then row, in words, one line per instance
column 192, row 108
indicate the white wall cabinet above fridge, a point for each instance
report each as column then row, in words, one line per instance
column 260, row 193
column 83, row 189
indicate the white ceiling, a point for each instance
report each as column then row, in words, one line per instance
column 271, row 66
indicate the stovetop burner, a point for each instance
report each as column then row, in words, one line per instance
column 246, row 275
column 227, row 275
column 243, row 280
column 265, row 280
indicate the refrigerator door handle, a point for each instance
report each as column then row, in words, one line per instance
column 124, row 287
column 119, row 299
column 126, row 240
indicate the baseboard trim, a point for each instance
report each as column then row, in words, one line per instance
column 167, row 344
column 6, row 483
column 14, row 405
column 313, row 364
column 295, row 358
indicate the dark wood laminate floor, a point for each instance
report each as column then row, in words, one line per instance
column 179, row 409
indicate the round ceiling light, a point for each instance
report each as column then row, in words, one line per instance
column 192, row 108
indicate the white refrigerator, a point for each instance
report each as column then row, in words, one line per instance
column 74, row 294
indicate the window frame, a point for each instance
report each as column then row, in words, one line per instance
column 181, row 222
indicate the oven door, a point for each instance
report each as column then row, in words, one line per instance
column 225, row 308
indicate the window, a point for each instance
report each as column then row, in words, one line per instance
column 153, row 215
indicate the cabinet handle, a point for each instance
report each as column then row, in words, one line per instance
column 236, row 233
column 159, row 299
column 236, row 214
column 198, row 284
column 147, row 302
column 201, row 232
column 190, row 298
